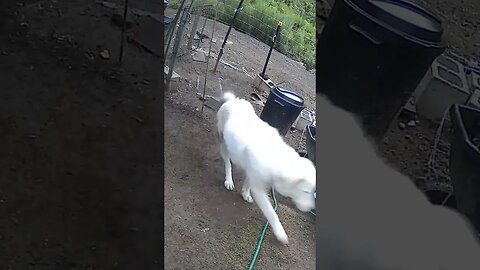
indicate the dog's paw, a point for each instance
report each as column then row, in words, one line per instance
column 247, row 197
column 229, row 185
column 281, row 236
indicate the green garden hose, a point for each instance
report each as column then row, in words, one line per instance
column 263, row 233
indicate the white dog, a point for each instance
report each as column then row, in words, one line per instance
column 369, row 216
column 267, row 160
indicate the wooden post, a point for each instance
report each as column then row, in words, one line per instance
column 194, row 28
column 124, row 27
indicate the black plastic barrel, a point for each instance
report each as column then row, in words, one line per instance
column 311, row 143
column 465, row 161
column 281, row 109
column 371, row 55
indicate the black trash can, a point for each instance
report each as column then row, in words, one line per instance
column 311, row 143
column 281, row 109
column 465, row 161
column 371, row 55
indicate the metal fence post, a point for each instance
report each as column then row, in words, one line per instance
column 228, row 33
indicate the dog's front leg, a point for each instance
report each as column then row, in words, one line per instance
column 261, row 199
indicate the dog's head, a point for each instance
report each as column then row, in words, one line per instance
column 299, row 183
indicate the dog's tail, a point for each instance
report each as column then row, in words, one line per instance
column 226, row 97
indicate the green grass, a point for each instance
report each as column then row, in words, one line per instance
column 259, row 18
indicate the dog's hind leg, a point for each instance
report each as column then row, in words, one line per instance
column 246, row 191
column 228, row 167
column 261, row 199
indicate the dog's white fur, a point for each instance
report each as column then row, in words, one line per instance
column 267, row 160
column 369, row 216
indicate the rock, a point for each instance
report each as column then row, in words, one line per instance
column 200, row 57
column 411, row 123
column 105, row 54
column 139, row 120
column 89, row 54
column 401, row 126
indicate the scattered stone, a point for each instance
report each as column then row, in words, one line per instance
column 476, row 141
column 411, row 123
column 401, row 126
column 89, row 55
column 408, row 137
column 105, row 54
column 200, row 57
column 108, row 5
column 212, row 103
column 174, row 74
column 139, row 120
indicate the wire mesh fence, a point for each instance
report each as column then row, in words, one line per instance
column 297, row 35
